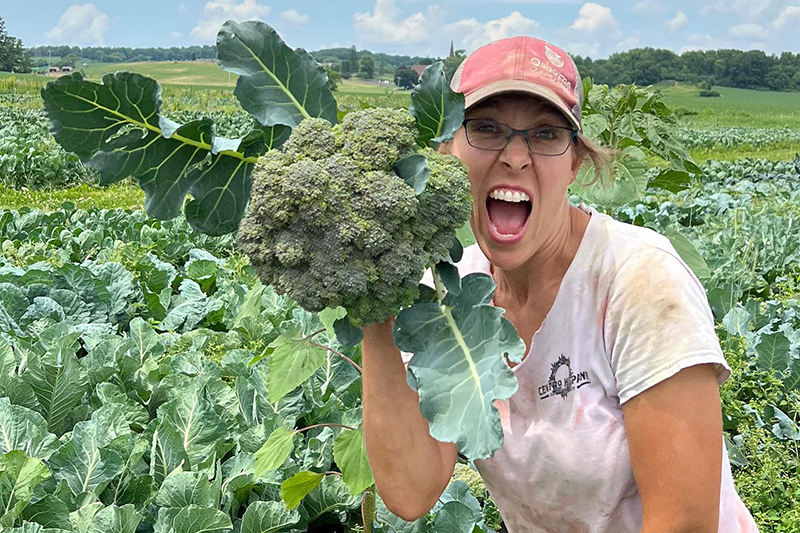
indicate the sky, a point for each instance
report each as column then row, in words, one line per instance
column 413, row 27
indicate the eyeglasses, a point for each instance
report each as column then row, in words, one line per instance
column 486, row 134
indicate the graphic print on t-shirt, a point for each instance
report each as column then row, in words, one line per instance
column 562, row 379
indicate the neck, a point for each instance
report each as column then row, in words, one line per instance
column 542, row 273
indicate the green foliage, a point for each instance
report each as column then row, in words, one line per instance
column 634, row 123
column 13, row 57
column 333, row 225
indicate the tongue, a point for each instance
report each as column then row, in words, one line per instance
column 508, row 217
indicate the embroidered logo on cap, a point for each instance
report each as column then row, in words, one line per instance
column 553, row 57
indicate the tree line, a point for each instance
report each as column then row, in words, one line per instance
column 753, row 69
column 121, row 54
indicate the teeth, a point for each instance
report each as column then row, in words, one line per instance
column 509, row 196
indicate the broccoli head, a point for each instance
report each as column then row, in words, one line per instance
column 331, row 224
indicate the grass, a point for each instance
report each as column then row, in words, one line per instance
column 736, row 107
column 123, row 195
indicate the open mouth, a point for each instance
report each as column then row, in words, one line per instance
column 509, row 211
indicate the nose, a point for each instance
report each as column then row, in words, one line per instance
column 516, row 155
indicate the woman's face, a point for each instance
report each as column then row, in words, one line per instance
column 510, row 233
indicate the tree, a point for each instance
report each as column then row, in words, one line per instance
column 452, row 63
column 69, row 61
column 366, row 67
column 352, row 62
column 406, row 78
column 334, row 78
column 12, row 55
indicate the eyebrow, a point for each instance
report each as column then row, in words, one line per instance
column 551, row 120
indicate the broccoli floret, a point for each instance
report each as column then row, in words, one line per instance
column 337, row 227
column 311, row 139
column 377, row 138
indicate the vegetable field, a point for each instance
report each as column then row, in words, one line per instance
column 148, row 380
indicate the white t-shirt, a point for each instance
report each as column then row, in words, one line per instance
column 629, row 314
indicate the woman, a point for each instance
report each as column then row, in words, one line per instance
column 616, row 425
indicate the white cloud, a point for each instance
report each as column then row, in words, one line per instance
column 631, row 42
column 705, row 42
column 175, row 34
column 748, row 31
column 747, row 9
column 80, row 24
column 384, row 25
column 649, row 6
column 472, row 34
column 182, row 8
column 293, row 17
column 594, row 17
column 216, row 12
column 679, row 21
column 787, row 16
column 582, row 48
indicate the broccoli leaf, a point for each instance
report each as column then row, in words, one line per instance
column 415, row 172
column 117, row 128
column 458, row 367
column 439, row 110
column 276, row 84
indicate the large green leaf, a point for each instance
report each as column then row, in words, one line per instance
column 26, row 430
column 298, row 486
column 772, row 352
column 198, row 425
column 629, row 182
column 458, row 367
column 59, row 383
column 117, row 128
column 330, row 496
column 294, row 359
column 276, row 85
column 19, row 476
column 268, row 517
column 167, row 453
column 351, row 457
column 192, row 519
column 182, row 489
column 438, row 110
column 275, row 451
column 688, row 252
column 86, row 462
column 49, row 512
column 113, row 519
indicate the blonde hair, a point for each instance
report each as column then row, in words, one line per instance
column 601, row 157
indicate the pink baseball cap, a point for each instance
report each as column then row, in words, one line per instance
column 522, row 64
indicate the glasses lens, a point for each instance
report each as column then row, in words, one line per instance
column 549, row 140
column 487, row 134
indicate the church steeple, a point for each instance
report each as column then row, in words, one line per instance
column 452, row 52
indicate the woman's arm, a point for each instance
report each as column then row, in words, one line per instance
column 410, row 467
column 675, row 435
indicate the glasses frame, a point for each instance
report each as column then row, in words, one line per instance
column 523, row 133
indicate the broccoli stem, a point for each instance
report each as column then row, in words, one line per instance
column 439, row 285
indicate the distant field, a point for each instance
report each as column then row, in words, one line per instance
column 170, row 73
column 736, row 107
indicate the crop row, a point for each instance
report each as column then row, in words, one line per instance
column 737, row 136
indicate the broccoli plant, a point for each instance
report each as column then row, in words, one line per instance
column 341, row 216
column 332, row 224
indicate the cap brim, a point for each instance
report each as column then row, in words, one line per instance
column 519, row 86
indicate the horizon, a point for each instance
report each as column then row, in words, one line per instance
column 414, row 28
